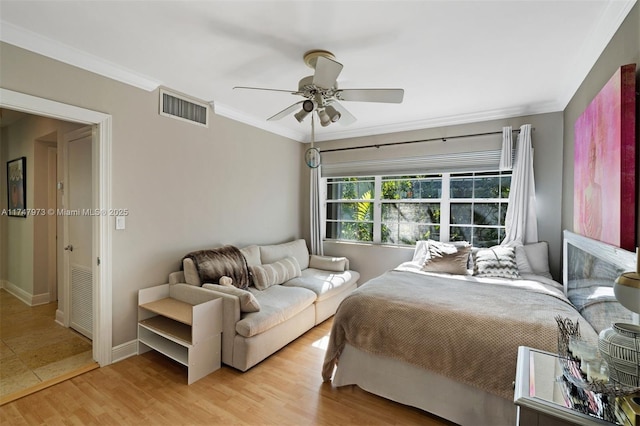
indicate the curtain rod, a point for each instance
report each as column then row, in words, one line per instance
column 443, row 139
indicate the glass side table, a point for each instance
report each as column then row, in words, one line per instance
column 541, row 398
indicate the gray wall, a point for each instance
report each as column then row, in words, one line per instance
column 370, row 260
column 186, row 187
column 624, row 48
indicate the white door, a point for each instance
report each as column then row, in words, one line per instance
column 78, row 223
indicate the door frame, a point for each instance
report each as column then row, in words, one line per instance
column 102, row 231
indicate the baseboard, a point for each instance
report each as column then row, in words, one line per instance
column 123, row 351
column 25, row 297
column 60, row 317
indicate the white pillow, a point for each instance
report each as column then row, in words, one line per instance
column 252, row 254
column 538, row 257
column 421, row 252
column 328, row 263
column 275, row 252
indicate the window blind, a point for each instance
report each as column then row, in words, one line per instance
column 474, row 161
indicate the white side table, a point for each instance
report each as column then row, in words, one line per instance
column 188, row 334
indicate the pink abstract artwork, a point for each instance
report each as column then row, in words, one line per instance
column 605, row 165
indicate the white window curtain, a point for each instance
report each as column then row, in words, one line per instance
column 506, row 155
column 316, row 213
column 521, row 221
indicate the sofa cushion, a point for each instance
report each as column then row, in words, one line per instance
column 275, row 252
column 328, row 263
column 264, row 276
column 277, row 304
column 248, row 302
column 190, row 272
column 252, row 254
column 324, row 284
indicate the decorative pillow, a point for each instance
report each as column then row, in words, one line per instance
column 252, row 254
column 447, row 258
column 421, row 253
column 264, row 276
column 538, row 257
column 248, row 302
column 275, row 252
column 328, row 263
column 497, row 262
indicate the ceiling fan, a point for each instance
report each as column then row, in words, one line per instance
column 322, row 94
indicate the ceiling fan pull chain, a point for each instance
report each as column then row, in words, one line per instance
column 313, row 130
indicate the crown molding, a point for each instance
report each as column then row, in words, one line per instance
column 234, row 114
column 444, row 121
column 25, row 39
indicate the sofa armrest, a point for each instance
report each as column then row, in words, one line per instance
column 177, row 277
column 329, row 263
column 230, row 312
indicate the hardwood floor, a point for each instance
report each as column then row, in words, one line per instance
column 285, row 389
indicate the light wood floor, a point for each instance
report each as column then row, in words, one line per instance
column 285, row 389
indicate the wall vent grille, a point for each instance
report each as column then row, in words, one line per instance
column 179, row 107
column 82, row 300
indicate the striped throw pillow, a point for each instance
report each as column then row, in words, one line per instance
column 264, row 276
column 496, row 262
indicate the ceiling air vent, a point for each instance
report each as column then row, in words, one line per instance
column 177, row 106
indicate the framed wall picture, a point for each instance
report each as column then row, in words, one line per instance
column 17, row 187
column 605, row 163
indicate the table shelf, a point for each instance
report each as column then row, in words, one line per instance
column 186, row 333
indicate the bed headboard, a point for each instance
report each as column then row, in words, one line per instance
column 589, row 270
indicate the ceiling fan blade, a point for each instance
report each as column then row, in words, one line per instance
column 346, row 117
column 393, row 96
column 327, row 72
column 285, row 112
column 270, row 90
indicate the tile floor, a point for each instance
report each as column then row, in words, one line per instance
column 33, row 347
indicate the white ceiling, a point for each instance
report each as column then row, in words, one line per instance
column 458, row 61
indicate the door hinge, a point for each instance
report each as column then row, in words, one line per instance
column 98, row 261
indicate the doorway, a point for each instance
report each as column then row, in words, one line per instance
column 101, row 199
column 37, row 347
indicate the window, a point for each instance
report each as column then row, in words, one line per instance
column 478, row 207
column 402, row 209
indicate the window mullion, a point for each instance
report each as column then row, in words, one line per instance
column 377, row 210
column 445, row 208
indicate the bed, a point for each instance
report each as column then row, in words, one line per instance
column 447, row 343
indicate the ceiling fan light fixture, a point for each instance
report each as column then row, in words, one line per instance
column 325, row 119
column 333, row 113
column 308, row 106
column 300, row 115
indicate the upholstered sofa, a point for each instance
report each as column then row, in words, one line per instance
column 291, row 291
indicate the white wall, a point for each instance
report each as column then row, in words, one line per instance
column 186, row 187
column 547, row 142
